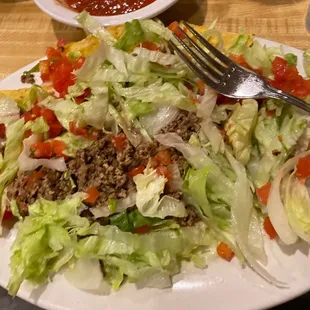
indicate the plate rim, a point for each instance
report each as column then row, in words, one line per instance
column 50, row 304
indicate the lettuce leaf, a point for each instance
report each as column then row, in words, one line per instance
column 239, row 129
column 9, row 165
column 150, row 187
column 44, row 243
column 132, row 36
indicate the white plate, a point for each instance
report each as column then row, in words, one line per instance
column 222, row 286
column 66, row 16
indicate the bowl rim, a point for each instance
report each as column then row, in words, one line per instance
column 66, row 16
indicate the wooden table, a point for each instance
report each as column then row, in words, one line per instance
column 25, row 31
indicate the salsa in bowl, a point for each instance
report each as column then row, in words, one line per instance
column 107, row 12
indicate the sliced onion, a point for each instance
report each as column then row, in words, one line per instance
column 275, row 207
column 26, row 163
column 176, row 181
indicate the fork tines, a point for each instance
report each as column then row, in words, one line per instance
column 211, row 66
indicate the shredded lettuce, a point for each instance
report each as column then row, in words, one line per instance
column 150, row 187
column 9, row 111
column 239, row 129
column 44, row 243
column 9, row 165
column 132, row 36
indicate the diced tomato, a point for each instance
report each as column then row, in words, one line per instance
column 78, row 131
column 93, row 195
column 150, row 46
column 153, row 162
column 8, row 215
column 55, row 129
column 27, row 117
column 201, row 87
column 42, row 150
column 136, row 171
column 303, row 167
column 2, row 130
column 34, row 177
column 79, row 63
column 92, row 135
column 269, row 229
column 162, row 170
column 263, row 193
column 44, row 67
column 163, row 157
column 36, row 111
column 271, row 113
column 52, row 54
column 48, row 115
column 61, row 43
column 27, row 134
column 174, row 28
column 225, row 252
column 81, row 99
column 279, row 67
column 58, row 148
column 119, row 142
column 142, row 229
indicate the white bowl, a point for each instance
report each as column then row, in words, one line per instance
column 66, row 16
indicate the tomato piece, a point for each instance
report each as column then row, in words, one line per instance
column 303, row 167
column 44, row 67
column 271, row 113
column 2, row 130
column 81, row 99
column 150, row 46
column 279, row 67
column 42, row 150
column 55, row 129
column 269, row 229
column 34, row 177
column 36, row 111
column 58, row 148
column 263, row 193
column 142, row 229
column 163, row 157
column 93, row 195
column 136, row 171
column 225, row 252
column 61, row 43
column 48, row 115
column 8, row 215
column 162, row 170
column 201, row 87
column 78, row 131
column 119, row 142
column 174, row 28
column 79, row 63
column 52, row 53
column 153, row 162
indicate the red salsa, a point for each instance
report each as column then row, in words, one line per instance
column 107, row 7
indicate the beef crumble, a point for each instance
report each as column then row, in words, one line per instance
column 184, row 125
column 99, row 166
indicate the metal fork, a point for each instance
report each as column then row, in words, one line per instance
column 225, row 76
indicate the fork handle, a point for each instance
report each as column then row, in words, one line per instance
column 279, row 94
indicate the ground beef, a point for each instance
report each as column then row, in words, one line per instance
column 191, row 219
column 52, row 185
column 99, row 166
column 184, row 125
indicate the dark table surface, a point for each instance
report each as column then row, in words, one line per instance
column 7, row 303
